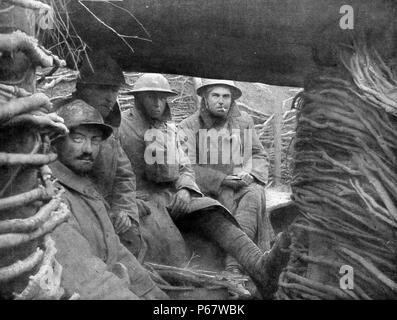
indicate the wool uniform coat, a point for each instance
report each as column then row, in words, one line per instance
column 212, row 169
column 88, row 247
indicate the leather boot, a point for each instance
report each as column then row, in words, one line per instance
column 263, row 268
column 232, row 266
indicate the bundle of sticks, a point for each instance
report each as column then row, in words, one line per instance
column 19, row 232
column 185, row 103
column 266, row 135
column 345, row 184
column 50, row 80
column 174, row 278
column 30, row 204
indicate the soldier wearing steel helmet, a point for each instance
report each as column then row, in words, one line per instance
column 98, row 85
column 95, row 264
column 174, row 196
column 237, row 182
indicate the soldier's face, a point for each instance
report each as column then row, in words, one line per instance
column 154, row 103
column 79, row 149
column 219, row 100
column 103, row 98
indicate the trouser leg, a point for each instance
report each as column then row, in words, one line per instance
column 246, row 214
column 264, row 269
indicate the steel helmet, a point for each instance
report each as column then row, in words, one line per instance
column 77, row 113
column 101, row 69
column 236, row 92
column 152, row 82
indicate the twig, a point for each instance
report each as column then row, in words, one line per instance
column 31, row 223
column 16, row 269
column 372, row 269
column 30, row 4
column 14, row 159
column 11, row 240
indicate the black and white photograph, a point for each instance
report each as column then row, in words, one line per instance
column 226, row 152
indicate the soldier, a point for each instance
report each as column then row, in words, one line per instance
column 234, row 171
column 98, row 85
column 88, row 248
column 172, row 187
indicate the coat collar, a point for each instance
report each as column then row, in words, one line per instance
column 71, row 180
column 210, row 121
column 114, row 117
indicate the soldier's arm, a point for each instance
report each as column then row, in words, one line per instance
column 187, row 178
column 257, row 164
column 124, row 187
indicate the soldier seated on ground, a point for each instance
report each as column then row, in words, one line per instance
column 99, row 82
column 234, row 171
column 95, row 264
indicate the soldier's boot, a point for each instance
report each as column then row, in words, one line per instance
column 263, row 268
column 232, row 266
column 247, row 222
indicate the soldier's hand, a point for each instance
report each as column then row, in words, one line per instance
column 180, row 203
column 246, row 177
column 132, row 238
column 122, row 222
column 143, row 208
column 234, row 182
